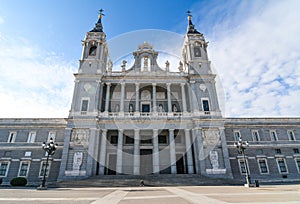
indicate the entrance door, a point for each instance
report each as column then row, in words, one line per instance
column 179, row 164
column 146, row 108
column 112, row 164
column 146, row 165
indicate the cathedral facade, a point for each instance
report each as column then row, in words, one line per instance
column 146, row 119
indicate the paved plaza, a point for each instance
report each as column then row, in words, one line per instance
column 145, row 195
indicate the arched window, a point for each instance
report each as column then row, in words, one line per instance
column 93, row 50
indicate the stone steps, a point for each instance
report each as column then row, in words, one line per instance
column 149, row 180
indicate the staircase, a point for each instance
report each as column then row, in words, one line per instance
column 149, row 180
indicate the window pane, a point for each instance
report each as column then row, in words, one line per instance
column 243, row 167
column 114, row 139
column 129, row 140
column 162, row 139
column 84, row 105
column 3, row 168
column 23, row 170
column 205, row 105
column 263, row 166
column 42, row 170
column 282, row 166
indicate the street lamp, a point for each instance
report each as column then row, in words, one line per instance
column 241, row 146
column 50, row 148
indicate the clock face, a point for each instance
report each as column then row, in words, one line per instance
column 197, row 51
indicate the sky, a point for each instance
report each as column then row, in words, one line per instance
column 254, row 47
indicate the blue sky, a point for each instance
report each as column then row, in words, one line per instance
column 254, row 48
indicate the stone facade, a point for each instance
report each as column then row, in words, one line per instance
column 146, row 119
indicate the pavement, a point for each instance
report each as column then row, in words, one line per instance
column 287, row 194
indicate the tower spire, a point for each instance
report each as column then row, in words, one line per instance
column 191, row 28
column 98, row 26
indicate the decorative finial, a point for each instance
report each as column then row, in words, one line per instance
column 101, row 13
column 189, row 15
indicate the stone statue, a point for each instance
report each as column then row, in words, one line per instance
column 77, row 160
column 213, row 156
column 180, row 68
column 123, row 65
column 174, row 108
column 110, row 65
column 145, row 62
column 167, row 65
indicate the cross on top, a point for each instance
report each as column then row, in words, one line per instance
column 101, row 12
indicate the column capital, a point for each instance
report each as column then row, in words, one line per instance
column 153, row 84
column 137, row 84
column 122, row 83
column 108, row 83
column 121, row 130
column 104, row 130
column 186, row 130
column 168, row 85
column 155, row 130
column 171, row 130
column 182, row 84
column 137, row 131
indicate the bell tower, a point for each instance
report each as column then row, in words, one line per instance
column 95, row 50
column 194, row 50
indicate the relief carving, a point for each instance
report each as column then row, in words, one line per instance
column 80, row 137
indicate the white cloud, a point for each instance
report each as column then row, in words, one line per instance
column 259, row 61
column 1, row 20
column 33, row 83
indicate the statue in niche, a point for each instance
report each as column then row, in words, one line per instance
column 110, row 65
column 174, row 108
column 167, row 65
column 146, row 62
column 212, row 137
column 130, row 108
column 77, row 160
column 123, row 65
column 213, row 156
column 117, row 108
column 160, row 108
column 180, row 68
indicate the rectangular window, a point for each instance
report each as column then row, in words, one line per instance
column 291, row 135
column 237, row 135
column 281, row 166
column 242, row 166
column 51, row 135
column 12, row 137
column 263, row 166
column 255, row 135
column 42, row 168
column 23, row 171
column 197, row 51
column 205, row 105
column 162, row 139
column 273, row 135
column 298, row 164
column 3, row 169
column 113, row 139
column 277, row 151
column 129, row 140
column 31, row 137
column 84, row 105
column 296, row 151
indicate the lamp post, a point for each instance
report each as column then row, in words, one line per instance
column 241, row 146
column 50, row 148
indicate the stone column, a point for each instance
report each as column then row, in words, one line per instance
column 155, row 152
column 73, row 105
column 119, row 152
column 92, row 155
column 103, row 152
column 188, row 147
column 172, row 151
column 98, row 50
column 107, row 96
column 169, row 97
column 137, row 107
column 136, row 153
column 154, row 109
column 122, row 97
column 225, row 152
column 183, row 97
column 200, row 157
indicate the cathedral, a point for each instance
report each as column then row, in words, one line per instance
column 146, row 119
